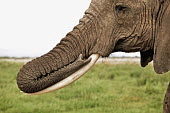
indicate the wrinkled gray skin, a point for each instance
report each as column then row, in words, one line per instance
column 108, row 26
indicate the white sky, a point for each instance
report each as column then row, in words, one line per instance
column 33, row 27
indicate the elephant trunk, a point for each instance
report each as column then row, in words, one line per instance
column 59, row 63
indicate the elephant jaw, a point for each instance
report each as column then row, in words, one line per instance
column 71, row 78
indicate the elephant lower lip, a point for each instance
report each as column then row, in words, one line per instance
column 30, row 84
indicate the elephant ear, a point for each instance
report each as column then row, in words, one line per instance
column 162, row 43
column 146, row 57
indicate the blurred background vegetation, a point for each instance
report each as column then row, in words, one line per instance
column 106, row 88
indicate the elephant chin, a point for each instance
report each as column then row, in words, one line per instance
column 72, row 77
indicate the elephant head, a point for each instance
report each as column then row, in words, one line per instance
column 108, row 26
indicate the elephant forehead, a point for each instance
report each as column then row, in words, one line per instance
column 102, row 3
column 132, row 2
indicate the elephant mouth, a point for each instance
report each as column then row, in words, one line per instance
column 55, row 79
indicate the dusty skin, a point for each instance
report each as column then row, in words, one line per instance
column 107, row 26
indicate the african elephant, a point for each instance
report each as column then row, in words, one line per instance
column 107, row 26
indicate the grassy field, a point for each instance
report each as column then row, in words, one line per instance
column 121, row 88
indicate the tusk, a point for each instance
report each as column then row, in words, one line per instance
column 71, row 78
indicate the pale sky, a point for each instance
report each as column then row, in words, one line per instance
column 33, row 27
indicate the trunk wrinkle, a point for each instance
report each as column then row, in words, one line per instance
column 50, row 78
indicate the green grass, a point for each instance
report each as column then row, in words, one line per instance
column 122, row 88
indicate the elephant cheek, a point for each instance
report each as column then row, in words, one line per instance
column 105, row 47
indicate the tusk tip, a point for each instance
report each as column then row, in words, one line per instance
column 80, row 57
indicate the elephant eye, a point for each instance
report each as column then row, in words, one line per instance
column 122, row 11
column 120, row 8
